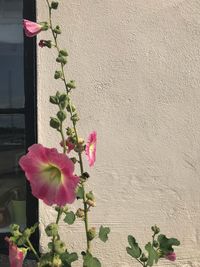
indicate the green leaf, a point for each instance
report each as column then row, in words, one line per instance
column 153, row 255
column 134, row 250
column 70, row 217
column 103, row 233
column 80, row 192
column 90, row 261
column 67, row 258
column 167, row 243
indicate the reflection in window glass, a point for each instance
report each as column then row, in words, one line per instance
column 12, row 137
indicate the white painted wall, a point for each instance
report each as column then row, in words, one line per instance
column 137, row 67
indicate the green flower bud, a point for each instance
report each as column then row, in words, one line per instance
column 155, row 229
column 143, row 258
column 61, row 59
column 90, row 196
column 61, row 115
column 57, row 261
column 59, row 246
column 45, row 26
column 57, row 29
column 54, row 123
column 71, row 84
column 63, row 53
column 155, row 243
column 14, row 229
column 63, row 97
column 58, row 74
column 52, row 229
column 54, row 4
column 91, row 233
column 80, row 213
column 70, row 131
column 54, row 100
column 75, row 117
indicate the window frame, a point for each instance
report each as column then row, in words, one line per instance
column 30, row 90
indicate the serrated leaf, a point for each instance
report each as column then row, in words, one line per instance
column 68, row 258
column 69, row 217
column 80, row 192
column 103, row 233
column 90, row 261
column 166, row 244
column 134, row 250
column 153, row 255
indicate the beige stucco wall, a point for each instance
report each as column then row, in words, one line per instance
column 137, row 67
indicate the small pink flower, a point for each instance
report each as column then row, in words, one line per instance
column 16, row 255
column 50, row 175
column 90, row 150
column 31, row 28
column 70, row 145
column 171, row 256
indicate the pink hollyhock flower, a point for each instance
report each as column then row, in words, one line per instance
column 69, row 144
column 90, row 150
column 31, row 28
column 16, row 255
column 50, row 174
column 171, row 256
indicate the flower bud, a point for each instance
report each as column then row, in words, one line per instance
column 171, row 256
column 155, row 229
column 143, row 258
column 27, row 233
column 90, row 203
column 57, row 30
column 45, row 43
column 63, row 53
column 59, row 246
column 61, row 59
column 81, row 141
column 54, row 4
column 90, row 196
column 56, row 261
column 58, row 74
column 155, row 243
column 91, row 233
column 61, row 115
column 54, row 123
column 54, row 100
column 80, row 213
column 75, row 117
column 71, row 84
column 52, row 229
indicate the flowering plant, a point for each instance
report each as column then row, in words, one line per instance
column 53, row 180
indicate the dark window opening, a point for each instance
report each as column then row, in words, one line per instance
column 17, row 115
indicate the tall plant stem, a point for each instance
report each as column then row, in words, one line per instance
column 86, row 223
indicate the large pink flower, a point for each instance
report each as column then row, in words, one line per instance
column 91, row 148
column 171, row 256
column 31, row 28
column 16, row 255
column 50, row 174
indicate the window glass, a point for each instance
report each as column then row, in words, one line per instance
column 12, row 127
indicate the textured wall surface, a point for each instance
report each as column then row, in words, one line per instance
column 137, row 67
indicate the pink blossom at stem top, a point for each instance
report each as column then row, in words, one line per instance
column 16, row 255
column 31, row 28
column 171, row 256
column 50, row 175
column 90, row 150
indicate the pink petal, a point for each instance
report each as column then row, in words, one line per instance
column 91, row 148
column 31, row 28
column 50, row 175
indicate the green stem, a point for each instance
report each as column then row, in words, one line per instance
column 53, row 240
column 75, row 130
column 32, row 248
